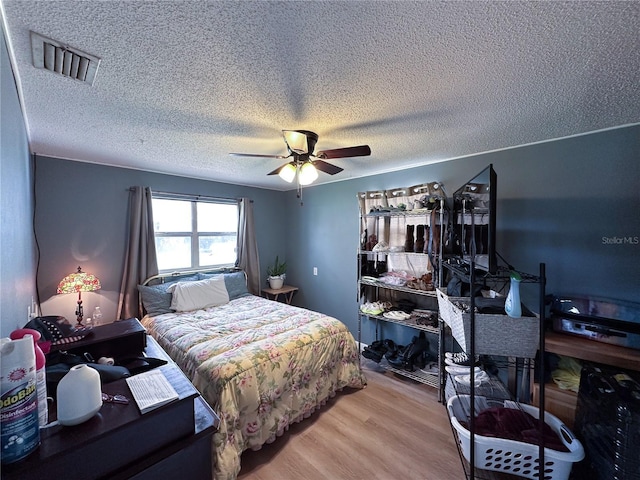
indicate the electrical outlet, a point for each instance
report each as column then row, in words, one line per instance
column 315, row 270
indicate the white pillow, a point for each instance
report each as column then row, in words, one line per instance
column 187, row 296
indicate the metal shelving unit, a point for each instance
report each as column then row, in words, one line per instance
column 502, row 393
column 384, row 226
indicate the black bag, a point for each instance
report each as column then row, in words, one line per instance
column 56, row 329
column 59, row 364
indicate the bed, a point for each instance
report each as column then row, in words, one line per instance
column 262, row 365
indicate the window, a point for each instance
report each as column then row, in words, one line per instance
column 191, row 234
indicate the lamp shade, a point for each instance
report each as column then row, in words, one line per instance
column 308, row 174
column 288, row 173
column 79, row 282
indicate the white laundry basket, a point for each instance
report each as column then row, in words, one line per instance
column 510, row 456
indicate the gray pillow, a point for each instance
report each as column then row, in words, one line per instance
column 235, row 282
column 155, row 298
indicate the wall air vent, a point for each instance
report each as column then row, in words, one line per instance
column 59, row 58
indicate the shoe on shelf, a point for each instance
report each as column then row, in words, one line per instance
column 478, row 379
column 418, row 346
column 391, row 348
column 458, row 370
column 455, row 355
column 396, row 359
column 431, row 368
column 371, row 355
column 459, row 359
column 375, row 351
column 372, row 308
column 396, row 315
column 423, row 359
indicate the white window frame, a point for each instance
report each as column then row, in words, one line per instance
column 194, row 234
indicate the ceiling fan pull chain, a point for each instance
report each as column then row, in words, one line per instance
column 299, row 192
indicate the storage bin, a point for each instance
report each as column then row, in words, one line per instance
column 608, row 422
column 495, row 334
column 510, row 456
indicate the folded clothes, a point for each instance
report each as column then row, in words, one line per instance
column 393, row 280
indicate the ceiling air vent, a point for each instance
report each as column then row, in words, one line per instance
column 59, row 58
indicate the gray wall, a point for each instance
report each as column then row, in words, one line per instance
column 81, row 219
column 556, row 202
column 17, row 253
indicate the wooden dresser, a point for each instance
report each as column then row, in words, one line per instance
column 173, row 441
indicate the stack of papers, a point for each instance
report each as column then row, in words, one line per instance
column 151, row 390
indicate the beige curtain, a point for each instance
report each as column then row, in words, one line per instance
column 248, row 259
column 140, row 260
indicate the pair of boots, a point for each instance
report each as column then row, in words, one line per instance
column 410, row 357
column 381, row 348
column 417, row 245
column 421, row 242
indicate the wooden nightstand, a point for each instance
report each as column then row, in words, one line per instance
column 287, row 291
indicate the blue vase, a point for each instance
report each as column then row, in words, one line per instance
column 512, row 303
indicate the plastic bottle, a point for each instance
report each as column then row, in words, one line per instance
column 19, row 432
column 512, row 304
column 96, row 317
column 41, row 374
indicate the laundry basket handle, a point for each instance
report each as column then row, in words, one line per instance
column 567, row 435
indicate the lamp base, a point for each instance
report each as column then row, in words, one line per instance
column 79, row 315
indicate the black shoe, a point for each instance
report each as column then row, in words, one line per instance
column 375, row 351
column 395, row 357
column 392, row 349
column 371, row 355
column 418, row 346
column 422, row 360
column 399, row 360
column 396, row 361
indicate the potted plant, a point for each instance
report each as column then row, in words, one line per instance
column 277, row 273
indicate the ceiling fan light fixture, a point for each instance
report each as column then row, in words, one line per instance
column 308, row 174
column 297, row 141
column 304, row 162
column 288, row 173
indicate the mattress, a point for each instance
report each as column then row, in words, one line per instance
column 262, row 365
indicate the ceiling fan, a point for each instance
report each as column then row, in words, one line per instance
column 304, row 162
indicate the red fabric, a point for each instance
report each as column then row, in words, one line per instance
column 514, row 424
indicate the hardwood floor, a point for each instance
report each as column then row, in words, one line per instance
column 393, row 429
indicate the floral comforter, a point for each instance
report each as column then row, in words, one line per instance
column 262, row 365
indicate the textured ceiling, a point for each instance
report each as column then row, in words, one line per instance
column 183, row 83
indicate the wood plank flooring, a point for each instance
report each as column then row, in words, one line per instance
column 394, row 429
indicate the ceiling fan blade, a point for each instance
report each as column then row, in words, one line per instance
column 258, row 155
column 326, row 167
column 277, row 170
column 359, row 151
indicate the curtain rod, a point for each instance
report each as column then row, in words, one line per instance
column 192, row 196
